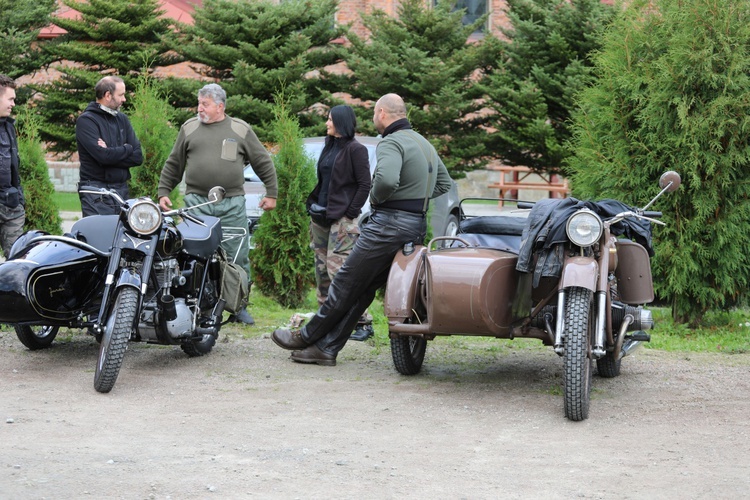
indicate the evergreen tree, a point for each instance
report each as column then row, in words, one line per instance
column 152, row 120
column 543, row 65
column 282, row 259
column 255, row 48
column 422, row 54
column 20, row 23
column 111, row 37
column 673, row 92
column 41, row 212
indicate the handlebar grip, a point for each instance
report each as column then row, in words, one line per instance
column 525, row 204
column 652, row 214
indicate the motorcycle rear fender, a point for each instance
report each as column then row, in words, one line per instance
column 580, row 272
column 403, row 284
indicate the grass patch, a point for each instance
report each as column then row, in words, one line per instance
column 66, row 202
column 720, row 331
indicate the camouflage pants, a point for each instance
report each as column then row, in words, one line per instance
column 332, row 245
column 11, row 226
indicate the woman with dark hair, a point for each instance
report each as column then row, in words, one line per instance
column 335, row 203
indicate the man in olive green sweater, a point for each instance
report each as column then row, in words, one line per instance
column 212, row 149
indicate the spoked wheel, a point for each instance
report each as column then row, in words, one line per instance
column 115, row 339
column 408, row 354
column 577, row 364
column 195, row 348
column 36, row 337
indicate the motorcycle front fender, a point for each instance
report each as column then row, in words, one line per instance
column 581, row 272
column 128, row 277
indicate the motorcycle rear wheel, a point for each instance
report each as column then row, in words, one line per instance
column 577, row 364
column 196, row 348
column 408, row 354
column 115, row 339
column 608, row 366
column 36, row 337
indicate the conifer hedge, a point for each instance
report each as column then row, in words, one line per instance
column 673, row 92
column 282, row 260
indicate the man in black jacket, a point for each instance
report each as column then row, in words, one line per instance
column 12, row 202
column 107, row 147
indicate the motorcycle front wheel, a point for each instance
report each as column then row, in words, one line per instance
column 577, row 364
column 115, row 339
column 36, row 337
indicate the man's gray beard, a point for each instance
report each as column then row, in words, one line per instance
column 202, row 120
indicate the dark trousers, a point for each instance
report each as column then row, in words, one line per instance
column 364, row 271
column 96, row 204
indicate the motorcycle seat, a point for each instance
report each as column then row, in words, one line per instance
column 494, row 224
column 504, row 242
column 201, row 241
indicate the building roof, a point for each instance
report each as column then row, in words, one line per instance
column 179, row 10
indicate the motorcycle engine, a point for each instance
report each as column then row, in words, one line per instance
column 168, row 275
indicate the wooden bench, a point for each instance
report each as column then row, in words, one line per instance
column 555, row 185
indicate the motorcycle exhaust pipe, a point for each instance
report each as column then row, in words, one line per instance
column 211, row 328
column 168, row 307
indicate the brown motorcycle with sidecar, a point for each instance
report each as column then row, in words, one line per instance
column 574, row 274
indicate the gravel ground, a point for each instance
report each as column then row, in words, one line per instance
column 482, row 420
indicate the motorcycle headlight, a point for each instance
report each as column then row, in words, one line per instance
column 144, row 217
column 584, row 228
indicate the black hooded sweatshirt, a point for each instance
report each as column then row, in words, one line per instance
column 112, row 164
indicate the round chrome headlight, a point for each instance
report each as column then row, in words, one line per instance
column 584, row 228
column 144, row 217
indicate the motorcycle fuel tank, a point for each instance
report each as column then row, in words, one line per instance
column 470, row 290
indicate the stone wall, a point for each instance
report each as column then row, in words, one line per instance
column 64, row 175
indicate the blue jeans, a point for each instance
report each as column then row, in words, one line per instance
column 364, row 271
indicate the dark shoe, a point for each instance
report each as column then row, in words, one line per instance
column 314, row 355
column 363, row 332
column 289, row 339
column 242, row 317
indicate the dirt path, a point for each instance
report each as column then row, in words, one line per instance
column 247, row 422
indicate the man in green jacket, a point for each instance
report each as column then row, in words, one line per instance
column 409, row 173
column 212, row 149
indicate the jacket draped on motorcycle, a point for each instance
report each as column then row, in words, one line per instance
column 543, row 239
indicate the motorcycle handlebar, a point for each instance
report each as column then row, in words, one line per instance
column 652, row 214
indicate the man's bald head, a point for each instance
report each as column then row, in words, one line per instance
column 388, row 109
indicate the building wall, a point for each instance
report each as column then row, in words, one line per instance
column 350, row 11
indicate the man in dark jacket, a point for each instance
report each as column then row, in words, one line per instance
column 12, row 202
column 409, row 173
column 107, row 147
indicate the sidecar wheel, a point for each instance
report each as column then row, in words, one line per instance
column 608, row 366
column 115, row 339
column 195, row 348
column 577, row 364
column 36, row 337
column 408, row 354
